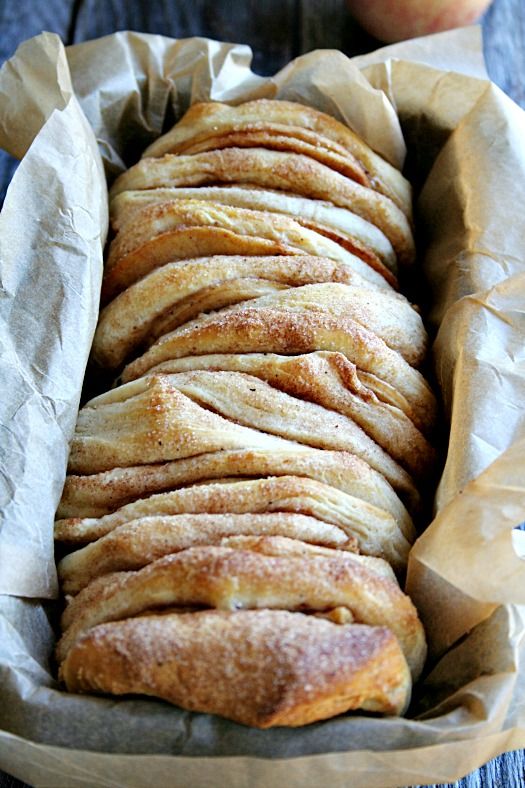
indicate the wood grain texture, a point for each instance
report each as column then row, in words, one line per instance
column 277, row 31
column 504, row 46
column 26, row 18
column 269, row 28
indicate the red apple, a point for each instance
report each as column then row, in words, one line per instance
column 396, row 20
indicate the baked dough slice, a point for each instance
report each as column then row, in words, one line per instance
column 288, row 172
column 139, row 542
column 212, row 298
column 162, row 418
column 159, row 302
column 331, row 380
column 202, row 509
column 185, row 243
column 230, row 579
column 247, row 400
column 257, row 667
column 205, row 119
column 103, row 493
column 272, row 330
column 275, row 136
column 150, row 421
column 154, row 238
column 390, row 316
column 361, row 237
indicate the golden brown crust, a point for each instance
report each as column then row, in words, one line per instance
column 208, row 117
column 331, row 380
column 273, row 330
column 141, row 541
column 212, row 508
column 184, row 243
column 278, row 137
column 151, row 307
column 151, row 421
column 289, row 225
column 103, row 493
column 157, row 236
column 211, row 299
column 324, row 217
column 388, row 315
column 259, row 668
column 271, row 494
column 229, row 579
column 108, row 432
column 290, row 172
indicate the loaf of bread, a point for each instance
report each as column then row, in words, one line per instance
column 239, row 509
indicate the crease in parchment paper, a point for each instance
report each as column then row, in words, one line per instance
column 52, row 231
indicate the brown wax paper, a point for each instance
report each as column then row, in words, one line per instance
column 71, row 114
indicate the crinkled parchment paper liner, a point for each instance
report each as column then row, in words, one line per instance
column 465, row 145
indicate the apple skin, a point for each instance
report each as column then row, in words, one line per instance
column 397, row 20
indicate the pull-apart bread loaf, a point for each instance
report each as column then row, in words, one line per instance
column 239, row 509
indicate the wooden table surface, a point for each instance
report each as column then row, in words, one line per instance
column 277, row 31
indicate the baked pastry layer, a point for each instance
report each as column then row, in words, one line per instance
column 207, row 118
column 271, row 574
column 340, row 224
column 161, row 233
column 211, row 505
column 257, row 667
column 289, row 172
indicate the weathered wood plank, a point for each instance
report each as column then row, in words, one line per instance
column 504, row 46
column 328, row 24
column 269, row 27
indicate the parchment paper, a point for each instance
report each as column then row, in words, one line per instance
column 464, row 141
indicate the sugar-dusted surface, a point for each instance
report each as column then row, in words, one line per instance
column 136, row 544
column 102, row 493
column 277, row 330
column 260, row 668
column 230, row 579
column 156, row 235
column 298, row 122
column 317, row 214
column 329, row 379
column 375, row 531
column 290, row 172
column 151, row 306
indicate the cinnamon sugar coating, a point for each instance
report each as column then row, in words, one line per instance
column 260, row 668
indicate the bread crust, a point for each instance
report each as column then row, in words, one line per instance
column 206, row 117
column 151, row 421
column 165, row 417
column 103, row 493
column 287, row 505
column 162, row 233
column 275, row 136
column 260, row 668
column 241, row 498
column 331, row 380
column 271, row 329
column 289, row 172
column 230, row 579
column 151, row 307
column 324, row 217
column 141, row 541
